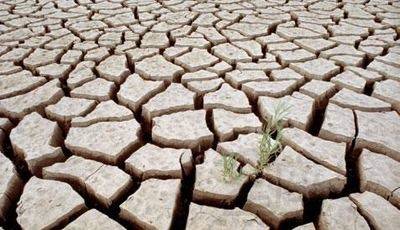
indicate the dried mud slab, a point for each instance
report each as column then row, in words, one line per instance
column 352, row 100
column 104, row 111
column 338, row 125
column 19, row 106
column 45, row 204
column 175, row 98
column 340, row 214
column 186, row 129
column 68, row 108
column 151, row 161
column 10, row 185
column 318, row 69
column 151, row 206
column 93, row 219
column 103, row 182
column 107, row 142
column 299, row 110
column 246, row 147
column 274, row 204
column 379, row 174
column 379, row 132
column 327, row 153
column 135, row 91
column 379, row 213
column 18, row 83
column 227, row 124
column 97, row 89
column 197, row 59
column 37, row 141
column 227, row 98
column 211, row 185
column 309, row 226
column 114, row 68
column 205, row 217
column 321, row 91
column 388, row 91
column 296, row 173
column 158, row 68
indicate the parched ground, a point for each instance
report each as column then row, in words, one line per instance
column 117, row 114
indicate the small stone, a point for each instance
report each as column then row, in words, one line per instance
column 103, row 182
column 186, row 129
column 327, row 153
column 378, row 211
column 319, row 69
column 157, row 68
column 196, row 59
column 227, row 124
column 379, row 174
column 97, row 89
column 151, row 161
column 227, row 98
column 67, row 108
column 175, row 98
column 151, row 206
column 114, row 68
column 135, row 91
column 37, row 141
column 104, row 111
column 45, row 204
column 295, row 172
column 274, row 204
column 94, row 219
column 206, row 217
column 352, row 100
column 384, row 138
column 339, row 213
column 338, row 124
column 104, row 141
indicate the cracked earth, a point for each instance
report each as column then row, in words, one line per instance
column 116, row 114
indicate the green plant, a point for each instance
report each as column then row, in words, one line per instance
column 230, row 171
column 269, row 147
